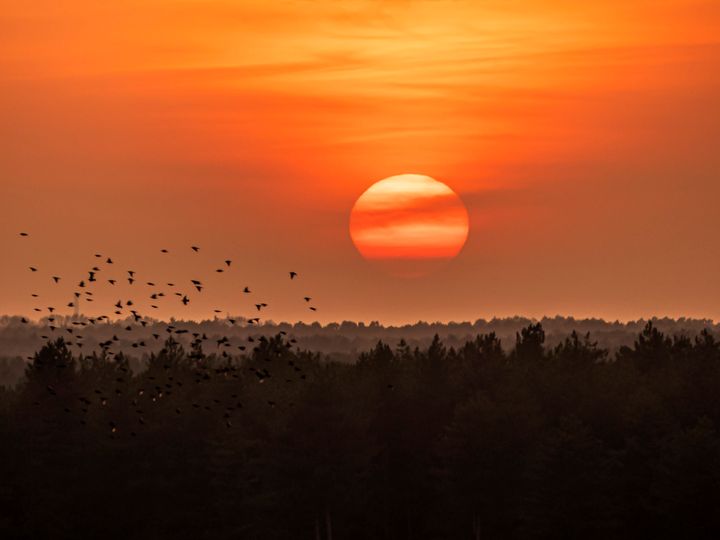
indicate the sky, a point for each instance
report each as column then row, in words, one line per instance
column 580, row 136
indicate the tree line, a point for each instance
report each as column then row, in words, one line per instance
column 471, row 442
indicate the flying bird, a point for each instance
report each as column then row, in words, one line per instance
column 293, row 275
column 56, row 278
column 195, row 248
column 24, row 234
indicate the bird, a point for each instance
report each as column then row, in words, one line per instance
column 24, row 234
column 56, row 278
column 293, row 275
column 246, row 290
column 228, row 262
column 313, row 308
column 195, row 248
column 163, row 251
column 185, row 300
column 33, row 269
column 307, row 298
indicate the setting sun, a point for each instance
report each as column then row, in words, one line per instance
column 409, row 217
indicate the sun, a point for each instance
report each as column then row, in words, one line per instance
column 409, row 222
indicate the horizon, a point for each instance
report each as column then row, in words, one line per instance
column 271, row 322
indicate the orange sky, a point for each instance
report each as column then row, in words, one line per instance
column 582, row 137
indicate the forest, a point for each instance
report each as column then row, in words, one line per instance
column 480, row 440
column 338, row 342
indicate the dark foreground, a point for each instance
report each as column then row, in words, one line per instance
column 404, row 444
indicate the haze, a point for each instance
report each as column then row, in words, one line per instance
column 582, row 140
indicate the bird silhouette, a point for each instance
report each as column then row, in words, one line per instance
column 293, row 275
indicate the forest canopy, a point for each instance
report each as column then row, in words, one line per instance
column 476, row 441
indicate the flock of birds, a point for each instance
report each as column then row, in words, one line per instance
column 85, row 294
column 72, row 331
